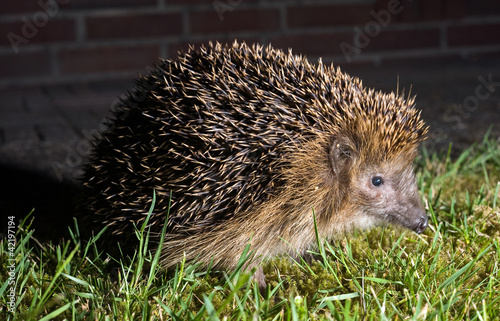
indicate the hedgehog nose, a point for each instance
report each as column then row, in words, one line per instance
column 421, row 224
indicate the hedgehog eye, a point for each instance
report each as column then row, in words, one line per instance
column 377, row 181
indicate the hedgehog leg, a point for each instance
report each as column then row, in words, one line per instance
column 260, row 278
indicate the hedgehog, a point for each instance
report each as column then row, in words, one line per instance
column 247, row 144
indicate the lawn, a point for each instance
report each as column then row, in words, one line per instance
column 450, row 272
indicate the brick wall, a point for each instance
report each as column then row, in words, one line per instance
column 50, row 41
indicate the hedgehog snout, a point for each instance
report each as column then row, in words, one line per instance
column 412, row 215
column 421, row 224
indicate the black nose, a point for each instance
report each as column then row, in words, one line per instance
column 421, row 224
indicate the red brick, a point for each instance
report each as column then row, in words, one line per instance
column 27, row 6
column 411, row 11
column 16, row 6
column 455, row 9
column 316, row 45
column 91, row 4
column 61, row 30
column 483, row 7
column 214, row 3
column 474, row 35
column 403, row 39
column 431, row 9
column 330, row 15
column 109, row 58
column 25, row 65
column 134, row 25
column 230, row 21
column 189, row 2
column 427, row 60
column 352, row 68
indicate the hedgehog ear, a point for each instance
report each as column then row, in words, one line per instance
column 341, row 155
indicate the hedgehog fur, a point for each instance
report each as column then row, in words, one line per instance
column 252, row 142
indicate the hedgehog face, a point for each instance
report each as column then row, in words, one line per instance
column 388, row 194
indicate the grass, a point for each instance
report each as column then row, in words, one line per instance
column 451, row 272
